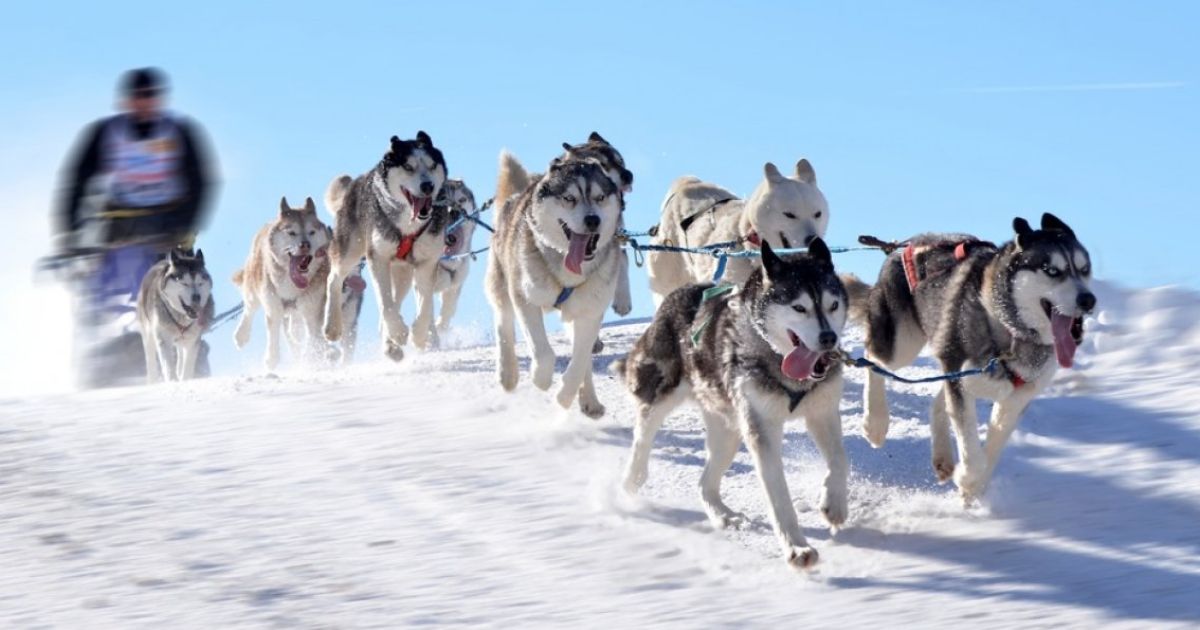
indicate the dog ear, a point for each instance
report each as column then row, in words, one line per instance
column 805, row 172
column 200, row 256
column 1023, row 231
column 173, row 257
column 772, row 264
column 595, row 137
column 309, row 206
column 1051, row 222
column 626, row 177
column 283, row 205
column 819, row 251
column 424, row 139
column 772, row 173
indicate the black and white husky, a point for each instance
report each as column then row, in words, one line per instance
column 388, row 216
column 555, row 247
column 174, row 309
column 458, row 201
column 752, row 361
column 970, row 301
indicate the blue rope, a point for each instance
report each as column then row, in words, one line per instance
column 470, row 255
column 863, row 362
column 563, row 296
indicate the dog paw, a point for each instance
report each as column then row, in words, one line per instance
column 333, row 331
column 542, row 371
column 728, row 519
column 241, row 337
column 834, row 508
column 802, row 558
column 971, row 484
column 876, row 428
column 635, row 478
column 622, row 307
column 393, row 350
column 421, row 337
column 565, row 397
column 943, row 468
column 507, row 376
column 591, row 408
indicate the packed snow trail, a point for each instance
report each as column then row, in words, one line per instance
column 413, row 494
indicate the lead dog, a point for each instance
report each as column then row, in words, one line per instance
column 970, row 301
column 752, row 362
column 386, row 215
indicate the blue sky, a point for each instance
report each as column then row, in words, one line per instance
column 925, row 116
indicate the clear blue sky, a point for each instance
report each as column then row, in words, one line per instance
column 917, row 116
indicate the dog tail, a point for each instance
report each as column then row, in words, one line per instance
column 858, row 292
column 239, row 276
column 336, row 193
column 617, row 368
column 512, row 178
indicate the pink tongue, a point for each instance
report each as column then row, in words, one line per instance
column 574, row 260
column 798, row 363
column 1064, row 343
column 298, row 277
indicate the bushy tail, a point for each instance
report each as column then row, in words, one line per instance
column 617, row 368
column 512, row 178
column 239, row 276
column 858, row 291
column 336, row 193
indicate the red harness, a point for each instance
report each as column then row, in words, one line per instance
column 404, row 249
column 909, row 258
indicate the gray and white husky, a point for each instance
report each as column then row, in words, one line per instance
column 387, row 215
column 785, row 211
column 971, row 301
column 285, row 276
column 453, row 267
column 554, row 248
column 751, row 361
column 174, row 309
column 603, row 153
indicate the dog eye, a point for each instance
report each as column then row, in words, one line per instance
column 789, row 215
column 408, row 167
column 800, row 309
column 833, row 307
column 1051, row 271
column 291, row 232
column 569, row 199
column 817, row 215
column 600, row 198
column 1086, row 270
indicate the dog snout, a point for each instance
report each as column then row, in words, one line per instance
column 591, row 222
column 1086, row 301
column 305, row 245
column 827, row 339
column 427, row 188
column 195, row 298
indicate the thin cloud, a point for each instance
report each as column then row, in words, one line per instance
column 1077, row 87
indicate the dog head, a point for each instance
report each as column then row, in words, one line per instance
column 459, row 201
column 413, row 172
column 297, row 238
column 576, row 208
column 788, row 211
column 798, row 305
column 186, row 286
column 598, row 150
column 1049, row 273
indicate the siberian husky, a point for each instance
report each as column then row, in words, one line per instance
column 174, row 309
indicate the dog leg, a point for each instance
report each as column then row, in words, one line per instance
column 589, row 403
column 423, row 323
column 722, row 442
column 241, row 336
column 622, row 301
column 1006, row 415
column 764, row 438
column 506, row 344
column 395, row 332
column 825, row 427
column 339, row 267
column 650, row 418
column 939, row 439
column 585, row 329
column 187, row 359
column 166, row 358
column 154, row 373
column 274, row 331
column 449, row 305
column 969, row 474
column 542, row 367
column 877, row 415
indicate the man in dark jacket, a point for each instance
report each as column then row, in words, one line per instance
column 142, row 174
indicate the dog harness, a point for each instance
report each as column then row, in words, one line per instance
column 563, row 296
column 915, row 274
column 404, row 249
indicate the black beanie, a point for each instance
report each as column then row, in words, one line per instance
column 150, row 81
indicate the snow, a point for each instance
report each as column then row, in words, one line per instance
column 416, row 494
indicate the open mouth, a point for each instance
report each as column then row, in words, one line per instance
column 454, row 242
column 1067, row 332
column 298, row 269
column 187, row 309
column 802, row 363
column 422, row 206
column 581, row 247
